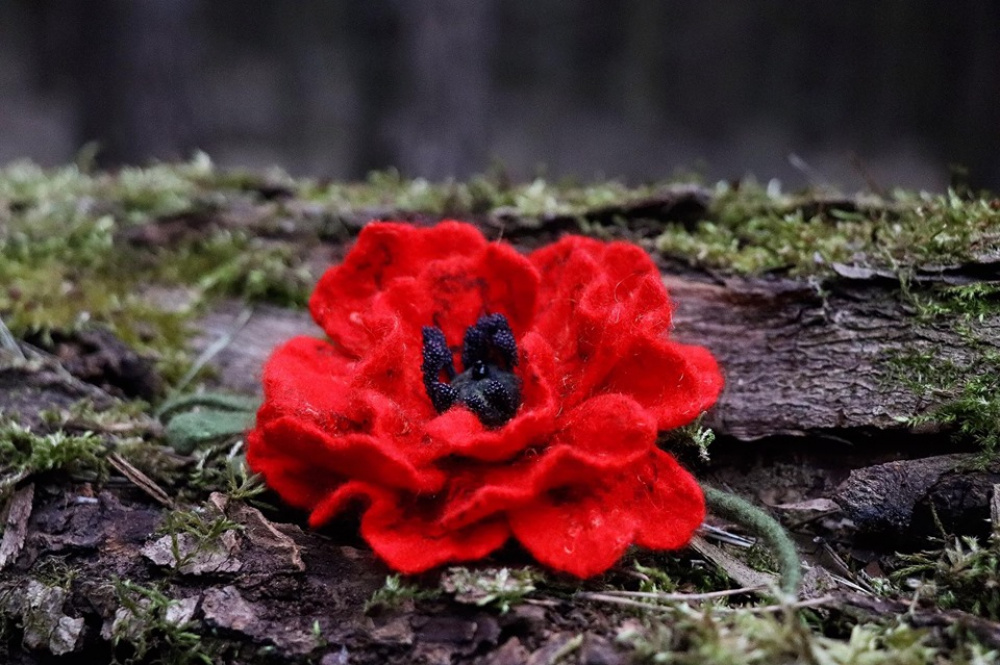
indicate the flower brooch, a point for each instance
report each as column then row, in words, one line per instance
column 469, row 394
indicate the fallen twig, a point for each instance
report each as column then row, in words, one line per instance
column 708, row 595
column 15, row 523
column 213, row 350
column 140, row 480
column 868, row 607
column 8, row 342
column 757, row 609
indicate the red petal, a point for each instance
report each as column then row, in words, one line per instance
column 458, row 431
column 512, row 286
column 307, row 361
column 675, row 382
column 294, row 444
column 447, row 275
column 406, row 535
column 567, row 267
column 303, row 377
column 316, row 428
column 299, row 482
column 571, row 266
column 598, row 297
column 307, row 379
column 583, row 534
column 462, row 289
column 611, row 430
column 601, row 436
column 392, row 368
column 475, row 493
column 537, row 370
column 336, row 501
column 669, row 502
column 383, row 253
column 411, row 544
column 585, row 529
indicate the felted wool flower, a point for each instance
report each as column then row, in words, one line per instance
column 469, row 393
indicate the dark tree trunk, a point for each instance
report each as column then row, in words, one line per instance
column 443, row 119
column 136, row 60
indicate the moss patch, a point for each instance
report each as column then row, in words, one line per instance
column 750, row 231
column 67, row 256
column 79, row 248
column 965, row 391
column 962, row 573
column 24, row 454
column 690, row 636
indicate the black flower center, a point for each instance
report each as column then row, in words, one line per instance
column 487, row 386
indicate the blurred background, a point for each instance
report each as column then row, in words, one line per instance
column 856, row 94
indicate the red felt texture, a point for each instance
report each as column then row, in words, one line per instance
column 575, row 476
column 584, row 528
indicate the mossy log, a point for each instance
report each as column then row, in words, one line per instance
column 856, row 407
column 813, row 371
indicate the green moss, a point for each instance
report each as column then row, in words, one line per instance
column 65, row 261
column 55, row 571
column 220, row 470
column 118, row 418
column 964, row 391
column 478, row 196
column 24, row 454
column 974, row 411
column 748, row 230
column 146, row 630
column 205, row 524
column 501, row 588
column 158, row 191
column 749, row 638
column 675, row 571
column 234, row 264
column 693, row 435
column 970, row 304
column 395, row 593
column 654, row 580
column 195, row 532
column 961, row 574
column 767, row 242
column 60, row 265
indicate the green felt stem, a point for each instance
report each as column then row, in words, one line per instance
column 742, row 512
column 186, row 431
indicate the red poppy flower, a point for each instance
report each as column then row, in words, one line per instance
column 546, row 432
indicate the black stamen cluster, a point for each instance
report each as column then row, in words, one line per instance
column 487, row 385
